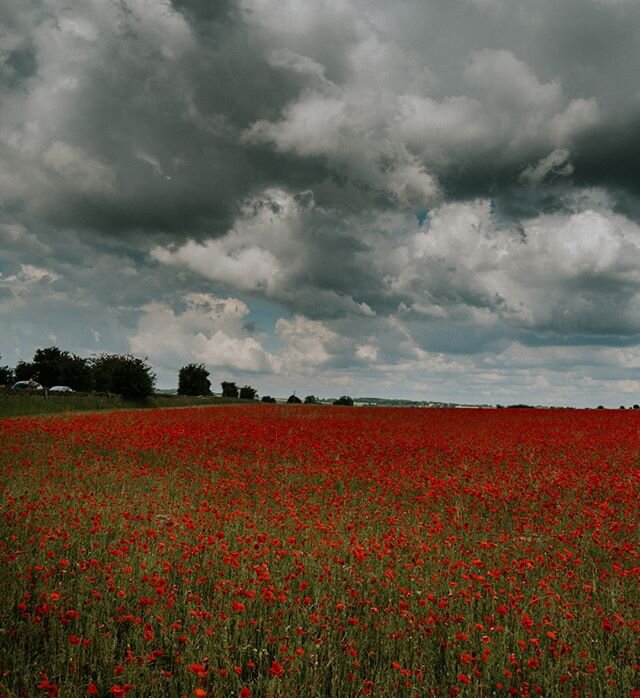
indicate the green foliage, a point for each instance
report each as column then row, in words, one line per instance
column 344, row 400
column 268, row 398
column 6, row 375
column 311, row 400
column 102, row 368
column 48, row 364
column 53, row 366
column 193, row 379
column 22, row 403
column 24, row 370
column 248, row 393
column 77, row 373
column 132, row 378
column 229, row 389
column 126, row 375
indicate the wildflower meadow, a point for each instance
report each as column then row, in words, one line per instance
column 274, row 551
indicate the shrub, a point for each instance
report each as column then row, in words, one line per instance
column 126, row 375
column 229, row 389
column 53, row 366
column 6, row 375
column 193, row 379
column 344, row 400
column 248, row 393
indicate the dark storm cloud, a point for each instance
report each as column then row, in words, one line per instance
column 168, row 164
column 201, row 13
column 131, row 121
column 147, row 111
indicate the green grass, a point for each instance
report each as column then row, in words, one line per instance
column 21, row 405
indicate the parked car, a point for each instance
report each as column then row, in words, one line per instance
column 61, row 389
column 26, row 385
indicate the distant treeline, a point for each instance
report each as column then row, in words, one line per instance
column 124, row 374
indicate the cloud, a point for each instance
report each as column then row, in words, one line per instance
column 207, row 329
column 79, row 171
column 555, row 164
column 283, row 247
column 25, row 281
column 306, row 341
column 384, row 190
column 566, row 274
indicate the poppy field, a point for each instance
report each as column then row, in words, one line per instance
column 277, row 551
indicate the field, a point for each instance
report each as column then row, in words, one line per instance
column 286, row 551
column 14, row 404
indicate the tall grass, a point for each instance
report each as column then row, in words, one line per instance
column 21, row 404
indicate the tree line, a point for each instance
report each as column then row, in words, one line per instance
column 125, row 375
column 193, row 379
column 122, row 374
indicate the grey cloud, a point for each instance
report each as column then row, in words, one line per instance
column 279, row 151
column 146, row 108
column 571, row 272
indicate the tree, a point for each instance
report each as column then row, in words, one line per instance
column 6, row 375
column 125, row 375
column 294, row 400
column 311, row 400
column 268, row 398
column 248, row 393
column 229, row 389
column 53, row 366
column 48, row 364
column 193, row 379
column 133, row 378
column 76, row 373
column 24, row 370
column 102, row 368
column 344, row 400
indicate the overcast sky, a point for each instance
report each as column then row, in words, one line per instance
column 422, row 199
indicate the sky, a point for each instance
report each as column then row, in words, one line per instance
column 421, row 199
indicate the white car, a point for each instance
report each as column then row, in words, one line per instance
column 61, row 389
column 26, row 385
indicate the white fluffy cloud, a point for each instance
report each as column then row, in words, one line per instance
column 249, row 256
column 564, row 273
column 306, row 341
column 208, row 329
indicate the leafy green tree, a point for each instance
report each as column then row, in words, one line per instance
column 102, row 368
column 53, row 366
column 6, row 375
column 125, row 375
column 311, row 400
column 76, row 373
column 229, row 389
column 24, row 370
column 133, row 378
column 344, row 400
column 193, row 379
column 48, row 363
column 248, row 393
column 268, row 398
